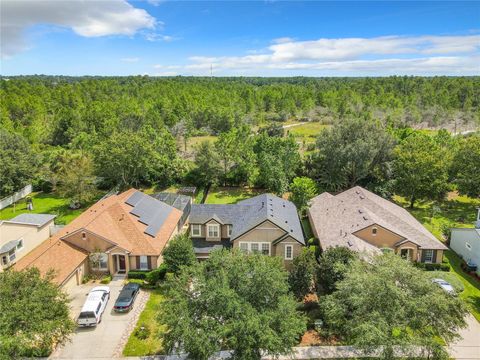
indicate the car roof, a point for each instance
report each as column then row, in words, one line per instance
column 100, row 288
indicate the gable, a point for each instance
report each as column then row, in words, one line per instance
column 89, row 241
column 266, row 231
column 383, row 237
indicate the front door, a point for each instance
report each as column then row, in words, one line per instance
column 121, row 263
column 406, row 254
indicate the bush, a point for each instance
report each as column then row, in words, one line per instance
column 154, row 276
column 334, row 263
column 142, row 332
column 432, row 267
column 138, row 274
column 179, row 253
column 106, row 279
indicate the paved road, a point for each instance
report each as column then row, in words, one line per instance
column 101, row 341
column 469, row 346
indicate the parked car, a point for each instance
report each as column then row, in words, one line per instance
column 446, row 286
column 126, row 298
column 92, row 310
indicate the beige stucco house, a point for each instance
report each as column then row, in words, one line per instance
column 20, row 235
column 365, row 222
column 123, row 232
column 264, row 223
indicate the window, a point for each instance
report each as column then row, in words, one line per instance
column 143, row 262
column 229, row 230
column 84, row 235
column 196, row 230
column 213, row 230
column 98, row 308
column 428, row 256
column 254, row 247
column 374, row 231
column 12, row 255
column 4, row 260
column 469, row 247
column 244, row 246
column 20, row 244
column 99, row 261
column 288, row 252
column 259, row 247
column 265, row 248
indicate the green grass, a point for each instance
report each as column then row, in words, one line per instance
column 307, row 229
column 44, row 204
column 152, row 345
column 193, row 142
column 226, row 195
column 307, row 132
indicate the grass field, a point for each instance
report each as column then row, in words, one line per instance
column 193, row 142
column 307, row 132
column 227, row 195
column 45, row 204
column 152, row 345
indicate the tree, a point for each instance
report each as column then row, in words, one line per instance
column 179, row 253
column 208, row 166
column 350, row 153
column 302, row 189
column 34, row 314
column 232, row 301
column 466, row 167
column 274, row 129
column 302, row 275
column 17, row 162
column 420, row 168
column 334, row 263
column 76, row 179
column 388, row 302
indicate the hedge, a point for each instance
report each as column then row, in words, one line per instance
column 157, row 274
column 138, row 274
column 433, row 266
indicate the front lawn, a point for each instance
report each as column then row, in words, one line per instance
column 151, row 344
column 45, row 204
column 230, row 195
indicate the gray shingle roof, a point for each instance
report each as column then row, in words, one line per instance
column 335, row 219
column 33, row 219
column 247, row 214
column 178, row 201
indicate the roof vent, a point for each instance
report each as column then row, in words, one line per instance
column 365, row 218
column 286, row 221
column 360, row 211
column 291, row 230
column 349, row 243
column 362, row 197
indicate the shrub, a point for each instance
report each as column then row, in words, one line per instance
column 301, row 276
column 106, row 279
column 334, row 263
column 142, row 332
column 137, row 274
column 432, row 267
column 179, row 253
column 154, row 276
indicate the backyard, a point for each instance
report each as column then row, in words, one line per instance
column 45, row 203
column 230, row 195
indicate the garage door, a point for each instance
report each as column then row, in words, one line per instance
column 73, row 280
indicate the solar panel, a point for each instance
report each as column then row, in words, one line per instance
column 149, row 211
column 134, row 198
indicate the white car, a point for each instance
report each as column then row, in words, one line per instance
column 445, row 286
column 94, row 306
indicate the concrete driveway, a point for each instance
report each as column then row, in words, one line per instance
column 469, row 346
column 102, row 341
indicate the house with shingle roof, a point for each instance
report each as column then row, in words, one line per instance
column 22, row 234
column 264, row 223
column 365, row 222
column 128, row 231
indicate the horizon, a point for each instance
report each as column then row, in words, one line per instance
column 240, row 39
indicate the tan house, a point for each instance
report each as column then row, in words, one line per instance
column 264, row 223
column 364, row 222
column 21, row 235
column 119, row 233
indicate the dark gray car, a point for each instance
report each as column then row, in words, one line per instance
column 126, row 298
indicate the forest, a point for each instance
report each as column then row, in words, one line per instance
column 77, row 134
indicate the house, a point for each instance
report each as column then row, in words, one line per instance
column 126, row 232
column 264, row 223
column 20, row 235
column 364, row 222
column 466, row 243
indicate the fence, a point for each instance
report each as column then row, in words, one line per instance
column 9, row 200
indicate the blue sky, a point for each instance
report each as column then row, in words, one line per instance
column 269, row 38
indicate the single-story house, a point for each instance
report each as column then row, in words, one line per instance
column 264, row 223
column 20, row 235
column 365, row 222
column 124, row 232
column 466, row 243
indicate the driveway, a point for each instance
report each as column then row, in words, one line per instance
column 469, row 346
column 104, row 340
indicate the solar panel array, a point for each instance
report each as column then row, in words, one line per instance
column 149, row 211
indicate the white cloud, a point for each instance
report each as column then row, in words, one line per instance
column 90, row 18
column 159, row 37
column 388, row 55
column 130, row 59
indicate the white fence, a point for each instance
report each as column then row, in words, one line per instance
column 9, row 200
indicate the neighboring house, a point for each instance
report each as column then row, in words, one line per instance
column 466, row 243
column 264, row 223
column 364, row 222
column 124, row 232
column 21, row 235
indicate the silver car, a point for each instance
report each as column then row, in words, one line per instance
column 446, row 286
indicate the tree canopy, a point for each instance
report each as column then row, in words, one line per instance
column 466, row 166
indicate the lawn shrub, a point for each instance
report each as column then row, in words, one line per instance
column 142, row 332
column 154, row 276
column 138, row 274
column 106, row 279
column 432, row 267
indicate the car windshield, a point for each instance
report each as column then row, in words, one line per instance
column 123, row 299
column 86, row 315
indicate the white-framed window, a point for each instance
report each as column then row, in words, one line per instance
column 261, row 247
column 12, row 255
column 374, row 231
column 213, row 230
column 288, row 252
column 20, row 245
column 428, row 256
column 254, row 247
column 196, row 230
column 266, row 248
column 100, row 261
column 229, row 230
column 469, row 247
column 143, row 262
column 4, row 260
column 243, row 246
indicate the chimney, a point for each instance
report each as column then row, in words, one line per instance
column 477, row 223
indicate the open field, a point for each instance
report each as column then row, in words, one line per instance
column 230, row 195
column 307, row 132
column 46, row 204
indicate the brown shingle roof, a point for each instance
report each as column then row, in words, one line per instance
column 335, row 219
column 109, row 218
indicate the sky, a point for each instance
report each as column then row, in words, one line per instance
column 239, row 38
